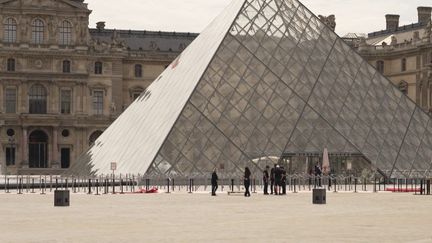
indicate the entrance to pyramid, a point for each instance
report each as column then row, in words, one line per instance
column 340, row 164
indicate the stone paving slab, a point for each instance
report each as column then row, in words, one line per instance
column 198, row 217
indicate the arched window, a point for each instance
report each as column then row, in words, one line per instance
column 138, row 70
column 66, row 66
column 403, row 64
column 94, row 136
column 403, row 87
column 37, row 31
column 380, row 66
column 38, row 149
column 10, row 30
column 37, row 99
column 11, row 65
column 98, row 68
column 65, row 33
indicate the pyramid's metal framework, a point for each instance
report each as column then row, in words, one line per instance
column 264, row 79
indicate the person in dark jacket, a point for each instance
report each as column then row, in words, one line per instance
column 283, row 180
column 266, row 180
column 318, row 173
column 272, row 179
column 246, row 178
column 214, row 182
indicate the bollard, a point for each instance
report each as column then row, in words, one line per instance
column 27, row 179
column 294, row 184
column 40, row 184
column 421, row 187
column 374, row 188
column 89, row 186
column 168, row 185
column 254, row 185
column 97, row 186
column 173, row 186
column 7, row 185
column 106, row 186
column 428, row 187
column 335, row 185
column 190, row 185
column 74, row 185
column 406, row 184
column 43, row 188
column 113, row 185
column 232, row 185
column 365, row 184
column 355, row 185
column 33, row 186
column 19, row 186
column 121, row 186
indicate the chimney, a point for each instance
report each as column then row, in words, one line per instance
column 424, row 14
column 100, row 25
column 392, row 21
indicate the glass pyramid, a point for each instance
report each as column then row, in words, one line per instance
column 265, row 79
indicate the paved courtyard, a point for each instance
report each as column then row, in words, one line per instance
column 182, row 217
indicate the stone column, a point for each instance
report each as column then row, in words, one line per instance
column 24, row 150
column 84, row 94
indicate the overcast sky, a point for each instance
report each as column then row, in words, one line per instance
column 359, row 16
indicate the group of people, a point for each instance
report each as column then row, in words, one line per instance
column 246, row 182
column 277, row 178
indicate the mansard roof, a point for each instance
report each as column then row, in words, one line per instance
column 147, row 40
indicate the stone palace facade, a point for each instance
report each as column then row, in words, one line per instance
column 62, row 84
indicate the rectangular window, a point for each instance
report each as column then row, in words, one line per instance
column 10, row 156
column 65, row 158
column 10, row 30
column 11, row 97
column 66, row 98
column 98, row 102
column 37, row 31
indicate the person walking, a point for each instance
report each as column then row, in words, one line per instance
column 318, row 173
column 272, row 178
column 214, row 182
column 266, row 180
column 246, row 178
column 283, row 180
